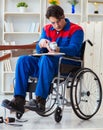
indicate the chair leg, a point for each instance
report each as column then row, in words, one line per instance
column 30, row 95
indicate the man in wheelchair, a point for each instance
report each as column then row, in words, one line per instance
column 69, row 39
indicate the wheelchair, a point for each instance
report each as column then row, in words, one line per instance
column 83, row 84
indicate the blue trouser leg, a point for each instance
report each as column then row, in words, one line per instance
column 26, row 66
column 48, row 67
column 44, row 68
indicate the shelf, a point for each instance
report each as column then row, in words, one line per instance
column 18, row 13
column 95, row 15
column 75, row 14
column 74, row 17
column 97, row 1
column 19, row 28
column 21, row 33
column 9, row 72
column 8, row 92
column 95, row 11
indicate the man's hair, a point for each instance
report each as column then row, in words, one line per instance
column 54, row 11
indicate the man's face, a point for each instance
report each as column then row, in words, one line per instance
column 58, row 24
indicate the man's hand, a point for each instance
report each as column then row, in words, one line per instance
column 43, row 43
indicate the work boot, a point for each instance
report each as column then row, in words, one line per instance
column 41, row 103
column 16, row 104
column 37, row 104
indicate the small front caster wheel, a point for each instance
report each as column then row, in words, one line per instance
column 18, row 115
column 58, row 114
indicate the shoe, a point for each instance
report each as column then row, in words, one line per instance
column 37, row 104
column 16, row 104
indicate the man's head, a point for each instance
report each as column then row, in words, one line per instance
column 55, row 14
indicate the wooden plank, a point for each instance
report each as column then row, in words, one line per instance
column 89, row 34
column 97, row 47
column 101, row 58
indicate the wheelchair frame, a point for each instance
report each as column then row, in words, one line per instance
column 84, row 87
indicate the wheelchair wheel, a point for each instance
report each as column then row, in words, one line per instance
column 18, row 115
column 85, row 93
column 58, row 114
